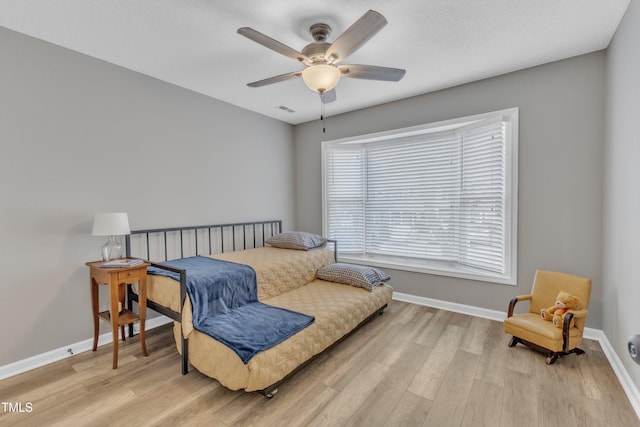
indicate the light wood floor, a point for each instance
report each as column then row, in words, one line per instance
column 411, row 366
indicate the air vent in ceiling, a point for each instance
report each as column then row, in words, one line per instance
column 285, row 108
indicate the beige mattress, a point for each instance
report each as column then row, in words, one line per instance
column 337, row 309
column 286, row 278
column 277, row 271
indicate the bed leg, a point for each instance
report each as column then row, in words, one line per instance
column 270, row 391
column 185, row 356
column 270, row 394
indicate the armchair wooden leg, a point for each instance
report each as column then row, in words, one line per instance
column 552, row 358
column 551, row 355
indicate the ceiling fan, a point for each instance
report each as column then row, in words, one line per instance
column 321, row 58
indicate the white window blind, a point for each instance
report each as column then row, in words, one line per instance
column 482, row 206
column 345, row 197
column 411, row 189
column 436, row 198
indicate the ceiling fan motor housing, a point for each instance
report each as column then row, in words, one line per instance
column 320, row 32
column 316, row 50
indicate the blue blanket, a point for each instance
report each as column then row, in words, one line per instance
column 224, row 296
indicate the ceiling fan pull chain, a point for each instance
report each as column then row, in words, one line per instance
column 322, row 111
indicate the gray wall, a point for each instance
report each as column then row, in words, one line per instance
column 80, row 136
column 560, row 171
column 621, row 266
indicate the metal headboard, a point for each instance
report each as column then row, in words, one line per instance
column 162, row 244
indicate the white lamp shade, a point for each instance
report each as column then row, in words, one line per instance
column 321, row 77
column 111, row 224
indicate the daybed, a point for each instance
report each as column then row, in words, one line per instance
column 286, row 278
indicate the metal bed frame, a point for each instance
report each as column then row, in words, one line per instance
column 163, row 244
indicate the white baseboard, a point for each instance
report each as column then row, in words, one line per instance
column 621, row 372
column 451, row 306
column 38, row 360
column 594, row 334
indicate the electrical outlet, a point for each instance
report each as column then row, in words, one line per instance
column 634, row 348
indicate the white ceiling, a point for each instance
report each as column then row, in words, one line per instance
column 441, row 43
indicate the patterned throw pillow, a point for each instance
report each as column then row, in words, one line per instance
column 354, row 275
column 300, row 240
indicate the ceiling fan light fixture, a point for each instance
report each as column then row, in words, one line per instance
column 321, row 77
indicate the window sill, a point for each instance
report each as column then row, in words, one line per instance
column 439, row 268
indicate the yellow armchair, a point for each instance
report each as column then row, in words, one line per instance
column 533, row 331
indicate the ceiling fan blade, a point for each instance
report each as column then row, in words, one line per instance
column 329, row 96
column 356, row 35
column 275, row 79
column 372, row 72
column 272, row 44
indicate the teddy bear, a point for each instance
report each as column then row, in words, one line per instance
column 564, row 303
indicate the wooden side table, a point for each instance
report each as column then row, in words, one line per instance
column 117, row 278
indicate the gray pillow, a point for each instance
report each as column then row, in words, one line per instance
column 300, row 240
column 351, row 274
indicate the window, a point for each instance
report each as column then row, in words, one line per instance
column 439, row 198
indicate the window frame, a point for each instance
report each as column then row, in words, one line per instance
column 445, row 268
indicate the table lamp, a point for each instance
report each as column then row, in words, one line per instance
column 111, row 224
